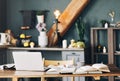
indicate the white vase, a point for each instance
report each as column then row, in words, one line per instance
column 42, row 39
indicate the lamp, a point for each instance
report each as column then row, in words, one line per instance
column 56, row 33
column 57, row 14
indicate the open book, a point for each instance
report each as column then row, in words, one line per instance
column 60, row 70
column 95, row 68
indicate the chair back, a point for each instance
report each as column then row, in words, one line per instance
column 58, row 62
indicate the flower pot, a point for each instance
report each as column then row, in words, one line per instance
column 40, row 18
column 42, row 39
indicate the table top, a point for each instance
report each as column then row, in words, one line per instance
column 27, row 74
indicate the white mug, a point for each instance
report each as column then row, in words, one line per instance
column 4, row 39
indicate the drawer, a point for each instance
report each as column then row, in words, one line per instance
column 77, row 55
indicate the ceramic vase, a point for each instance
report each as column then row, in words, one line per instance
column 42, row 39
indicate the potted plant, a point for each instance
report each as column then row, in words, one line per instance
column 80, row 27
column 40, row 16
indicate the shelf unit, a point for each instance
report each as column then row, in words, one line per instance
column 109, row 35
column 111, row 42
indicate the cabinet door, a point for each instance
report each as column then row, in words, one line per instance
column 78, row 56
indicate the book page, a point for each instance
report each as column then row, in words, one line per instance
column 101, row 67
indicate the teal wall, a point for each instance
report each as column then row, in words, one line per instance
column 95, row 11
column 14, row 17
column 2, row 15
column 92, row 14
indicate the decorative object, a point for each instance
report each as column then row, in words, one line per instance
column 80, row 26
column 56, row 33
column 41, row 27
column 104, row 49
column 40, row 16
column 78, row 44
column 4, row 39
column 104, row 23
column 42, row 38
column 112, row 16
column 99, row 48
column 64, row 43
column 13, row 40
column 29, row 18
column 24, row 39
column 32, row 44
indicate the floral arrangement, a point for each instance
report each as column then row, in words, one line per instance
column 41, row 27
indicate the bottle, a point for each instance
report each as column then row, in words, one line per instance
column 104, row 49
column 106, row 25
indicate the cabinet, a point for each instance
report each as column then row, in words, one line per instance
column 78, row 56
column 106, row 37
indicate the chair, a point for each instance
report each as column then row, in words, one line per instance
column 56, row 63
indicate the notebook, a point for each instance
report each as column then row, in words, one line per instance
column 28, row 61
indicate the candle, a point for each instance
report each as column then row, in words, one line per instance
column 64, row 43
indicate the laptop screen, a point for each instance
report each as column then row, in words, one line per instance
column 28, row 60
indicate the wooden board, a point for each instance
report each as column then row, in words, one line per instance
column 69, row 15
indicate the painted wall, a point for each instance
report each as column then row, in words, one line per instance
column 92, row 14
column 2, row 15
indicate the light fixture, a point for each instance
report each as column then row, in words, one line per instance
column 57, row 14
column 56, row 33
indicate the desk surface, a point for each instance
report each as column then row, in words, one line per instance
column 27, row 74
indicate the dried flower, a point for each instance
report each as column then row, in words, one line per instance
column 41, row 27
column 112, row 15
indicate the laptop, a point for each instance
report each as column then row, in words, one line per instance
column 28, row 61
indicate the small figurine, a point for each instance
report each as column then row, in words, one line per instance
column 32, row 44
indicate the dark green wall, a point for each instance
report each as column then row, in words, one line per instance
column 2, row 15
column 14, row 17
column 92, row 14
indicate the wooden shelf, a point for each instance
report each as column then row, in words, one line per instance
column 111, row 44
column 101, row 53
column 48, row 49
column 111, row 41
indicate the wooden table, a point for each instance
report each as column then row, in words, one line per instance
column 15, row 75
